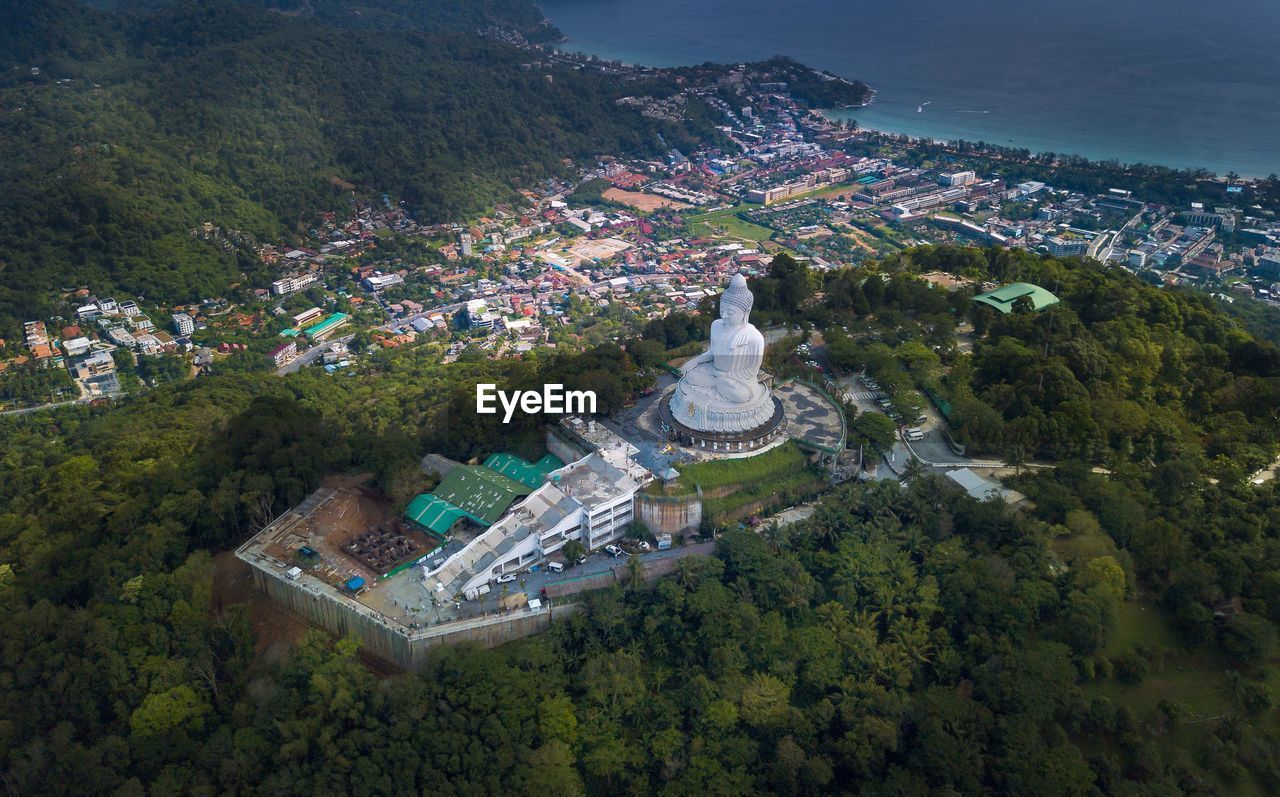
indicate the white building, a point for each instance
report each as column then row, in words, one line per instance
column 589, row 500
column 76, row 346
column 183, row 324
column 378, row 282
column 958, row 178
column 1066, row 247
column 121, row 337
column 293, row 283
column 479, row 316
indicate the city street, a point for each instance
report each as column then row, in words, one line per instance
column 310, row 355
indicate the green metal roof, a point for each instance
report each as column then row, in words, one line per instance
column 549, row 463
column 482, row 493
column 325, row 325
column 517, row 469
column 1004, row 298
column 434, row 514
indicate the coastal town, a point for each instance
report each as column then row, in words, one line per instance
column 584, row 260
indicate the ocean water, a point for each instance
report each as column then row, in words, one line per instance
column 1174, row 82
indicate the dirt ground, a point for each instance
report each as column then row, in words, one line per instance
column 645, row 202
column 275, row 630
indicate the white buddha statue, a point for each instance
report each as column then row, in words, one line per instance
column 720, row 389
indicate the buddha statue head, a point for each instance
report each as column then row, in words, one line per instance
column 736, row 301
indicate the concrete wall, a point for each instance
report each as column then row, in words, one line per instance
column 672, row 514
column 409, row 649
column 559, row 444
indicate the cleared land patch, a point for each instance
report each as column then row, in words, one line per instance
column 642, row 201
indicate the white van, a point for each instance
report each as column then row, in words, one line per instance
column 555, row 567
column 914, row 435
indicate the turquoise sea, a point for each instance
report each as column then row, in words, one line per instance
column 1175, row 82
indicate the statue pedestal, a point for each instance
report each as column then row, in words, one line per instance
column 725, row 442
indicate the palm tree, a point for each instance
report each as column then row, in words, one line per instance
column 686, row 574
column 778, row 536
column 913, row 470
column 634, row 571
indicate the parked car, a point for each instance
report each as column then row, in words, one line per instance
column 613, row 550
column 555, row 567
column 506, row 578
column 643, row 545
column 582, row 560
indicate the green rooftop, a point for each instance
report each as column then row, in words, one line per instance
column 325, row 325
column 436, row 515
column 549, row 463
column 482, row 493
column 1004, row 298
column 517, row 469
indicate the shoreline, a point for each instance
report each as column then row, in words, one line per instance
column 1243, row 179
column 1253, row 167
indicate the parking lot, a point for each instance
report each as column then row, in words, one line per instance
column 932, row 446
column 405, row 598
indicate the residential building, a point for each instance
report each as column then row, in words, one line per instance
column 1061, row 246
column 284, row 353
column 958, row 178
column 479, row 316
column 378, row 282
column 96, row 364
column 293, row 283
column 183, row 324
column 76, row 346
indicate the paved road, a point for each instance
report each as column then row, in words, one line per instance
column 310, row 355
column 532, row 584
column 43, row 407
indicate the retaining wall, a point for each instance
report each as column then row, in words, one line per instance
column 670, row 514
column 405, row 648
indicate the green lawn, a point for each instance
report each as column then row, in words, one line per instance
column 783, row 472
column 725, row 223
column 772, row 464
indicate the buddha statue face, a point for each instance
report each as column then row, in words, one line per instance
column 732, row 315
column 735, row 302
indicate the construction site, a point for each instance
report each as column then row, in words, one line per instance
column 342, row 561
column 489, row 555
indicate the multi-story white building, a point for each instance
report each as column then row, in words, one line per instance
column 76, row 346
column 183, row 324
column 589, row 500
column 1066, row 247
column 958, row 178
column 479, row 316
column 378, row 282
column 293, row 283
